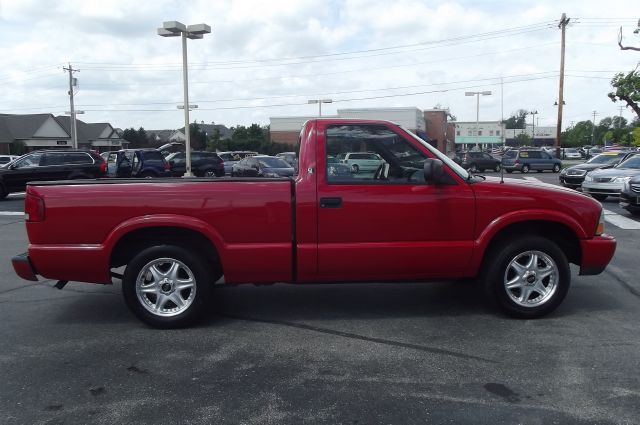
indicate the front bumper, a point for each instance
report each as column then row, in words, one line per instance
column 23, row 267
column 596, row 254
column 571, row 181
column 612, row 189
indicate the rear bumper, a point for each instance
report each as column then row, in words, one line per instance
column 596, row 254
column 23, row 267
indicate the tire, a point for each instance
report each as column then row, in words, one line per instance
column 510, row 264
column 473, row 168
column 597, row 197
column 525, row 169
column 209, row 173
column 497, row 168
column 146, row 175
column 540, row 171
column 152, row 270
column 3, row 192
column 509, row 171
column 556, row 168
column 355, row 168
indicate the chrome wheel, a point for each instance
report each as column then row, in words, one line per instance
column 209, row 173
column 531, row 278
column 165, row 287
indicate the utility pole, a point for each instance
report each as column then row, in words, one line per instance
column 533, row 126
column 562, row 25
column 621, row 107
column 593, row 129
column 72, row 124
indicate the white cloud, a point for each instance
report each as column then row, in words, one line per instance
column 123, row 62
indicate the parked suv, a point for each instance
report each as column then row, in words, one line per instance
column 203, row 164
column 143, row 163
column 50, row 165
column 525, row 160
column 479, row 161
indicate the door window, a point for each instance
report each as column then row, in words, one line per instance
column 32, row 160
column 52, row 159
column 373, row 154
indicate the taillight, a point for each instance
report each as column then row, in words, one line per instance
column 103, row 167
column 167, row 166
column 33, row 208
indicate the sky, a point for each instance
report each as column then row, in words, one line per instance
column 268, row 58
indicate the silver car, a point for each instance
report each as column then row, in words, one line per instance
column 609, row 182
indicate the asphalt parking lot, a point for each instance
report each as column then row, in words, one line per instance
column 341, row 354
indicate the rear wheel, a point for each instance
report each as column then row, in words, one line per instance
column 473, row 168
column 525, row 168
column 209, row 173
column 528, row 277
column 166, row 286
column 355, row 168
column 496, row 168
column 556, row 168
column 147, row 175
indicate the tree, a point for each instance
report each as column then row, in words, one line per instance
column 523, row 139
column 198, row 137
column 517, row 119
column 627, row 88
column 18, row 147
column 636, row 136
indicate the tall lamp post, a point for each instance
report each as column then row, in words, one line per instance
column 533, row 126
column 477, row 95
column 194, row 32
column 319, row 102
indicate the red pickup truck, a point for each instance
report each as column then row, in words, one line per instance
column 416, row 215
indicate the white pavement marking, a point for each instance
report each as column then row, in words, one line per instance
column 11, row 213
column 533, row 179
column 621, row 221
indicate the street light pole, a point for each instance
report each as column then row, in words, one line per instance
column 319, row 102
column 175, row 29
column 477, row 94
column 533, row 126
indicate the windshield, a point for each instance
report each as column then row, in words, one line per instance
column 603, row 159
column 442, row 157
column 633, row 162
column 273, row 163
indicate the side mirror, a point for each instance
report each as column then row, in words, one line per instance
column 433, row 170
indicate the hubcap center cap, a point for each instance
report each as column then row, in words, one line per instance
column 166, row 286
column 530, row 278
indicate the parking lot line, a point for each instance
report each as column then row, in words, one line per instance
column 533, row 179
column 621, row 221
column 11, row 213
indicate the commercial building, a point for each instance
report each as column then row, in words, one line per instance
column 544, row 135
column 484, row 134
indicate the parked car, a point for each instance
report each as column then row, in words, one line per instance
column 479, row 161
column 203, row 164
column 232, row 157
column 174, row 239
column 172, row 147
column 6, row 159
column 361, row 161
column 290, row 158
column 571, row 153
column 525, row 160
column 630, row 195
column 574, row 176
column 337, row 169
column 261, row 166
column 140, row 163
column 67, row 164
column 609, row 182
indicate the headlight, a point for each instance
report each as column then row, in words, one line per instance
column 588, row 178
column 626, row 187
column 621, row 179
column 563, row 171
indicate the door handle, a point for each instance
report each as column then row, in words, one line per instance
column 330, row 202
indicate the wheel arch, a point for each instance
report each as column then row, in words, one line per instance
column 566, row 236
column 133, row 236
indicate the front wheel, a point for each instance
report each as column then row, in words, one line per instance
column 209, row 173
column 166, row 286
column 497, row 168
column 556, row 168
column 527, row 277
column 525, row 169
column 473, row 168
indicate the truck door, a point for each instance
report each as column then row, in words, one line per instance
column 388, row 223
